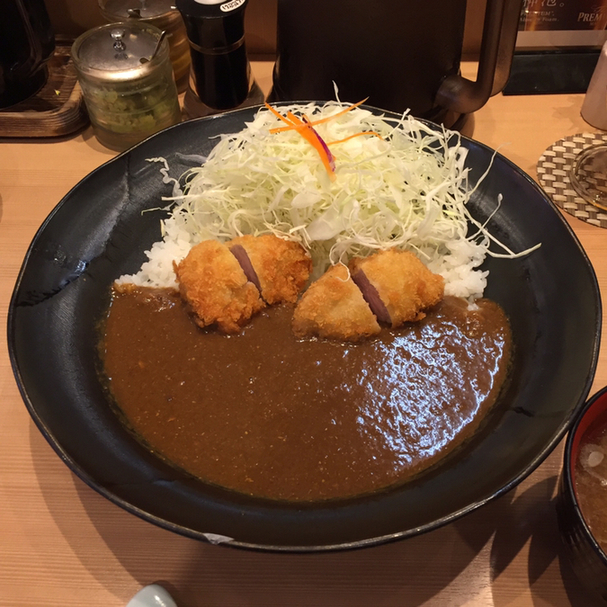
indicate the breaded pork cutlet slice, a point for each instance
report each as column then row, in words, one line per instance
column 279, row 268
column 215, row 287
column 397, row 285
column 333, row 307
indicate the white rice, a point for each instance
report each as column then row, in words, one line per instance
column 459, row 268
column 158, row 270
column 457, row 259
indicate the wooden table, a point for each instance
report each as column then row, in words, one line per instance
column 62, row 545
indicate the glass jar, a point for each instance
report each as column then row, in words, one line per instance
column 163, row 15
column 127, row 82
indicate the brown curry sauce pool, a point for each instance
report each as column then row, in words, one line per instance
column 269, row 415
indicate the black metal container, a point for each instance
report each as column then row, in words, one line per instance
column 27, row 42
column 401, row 54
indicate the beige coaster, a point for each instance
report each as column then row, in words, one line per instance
column 553, row 169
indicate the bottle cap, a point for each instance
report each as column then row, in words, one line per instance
column 120, row 10
column 213, row 25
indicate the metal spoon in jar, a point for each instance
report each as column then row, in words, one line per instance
column 156, row 49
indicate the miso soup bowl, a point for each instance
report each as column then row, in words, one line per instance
column 587, row 558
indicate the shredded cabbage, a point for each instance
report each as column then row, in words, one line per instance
column 407, row 188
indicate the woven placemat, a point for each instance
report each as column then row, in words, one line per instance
column 553, row 170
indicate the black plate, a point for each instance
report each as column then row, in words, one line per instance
column 97, row 232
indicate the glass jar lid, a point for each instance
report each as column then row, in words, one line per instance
column 119, row 51
column 141, row 9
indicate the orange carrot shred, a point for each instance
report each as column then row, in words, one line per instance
column 312, row 137
column 281, row 129
column 294, row 119
column 278, row 115
column 355, row 135
column 341, row 113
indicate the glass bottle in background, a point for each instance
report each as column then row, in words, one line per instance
column 127, row 82
column 163, row 15
column 588, row 174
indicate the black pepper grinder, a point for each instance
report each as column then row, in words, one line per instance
column 220, row 75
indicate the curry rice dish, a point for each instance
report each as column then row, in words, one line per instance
column 366, row 379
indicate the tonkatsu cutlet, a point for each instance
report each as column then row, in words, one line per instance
column 215, row 287
column 397, row 285
column 333, row 307
column 279, row 268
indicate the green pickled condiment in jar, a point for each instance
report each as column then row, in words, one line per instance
column 127, row 81
column 163, row 15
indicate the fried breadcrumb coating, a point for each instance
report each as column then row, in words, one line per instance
column 282, row 267
column 215, row 287
column 404, row 284
column 333, row 307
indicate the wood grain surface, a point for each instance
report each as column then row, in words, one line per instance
column 61, row 544
column 57, row 109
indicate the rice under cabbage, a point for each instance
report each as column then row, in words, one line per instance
column 407, row 188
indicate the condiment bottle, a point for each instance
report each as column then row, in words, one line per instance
column 163, row 15
column 127, row 82
column 220, row 75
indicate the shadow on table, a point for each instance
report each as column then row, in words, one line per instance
column 531, row 521
column 435, row 568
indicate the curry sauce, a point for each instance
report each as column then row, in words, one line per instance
column 267, row 414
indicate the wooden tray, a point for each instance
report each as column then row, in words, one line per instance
column 56, row 109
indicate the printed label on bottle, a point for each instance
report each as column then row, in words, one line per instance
column 230, row 6
column 563, row 15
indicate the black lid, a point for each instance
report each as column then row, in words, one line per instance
column 213, row 24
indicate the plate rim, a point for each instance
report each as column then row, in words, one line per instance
column 371, row 541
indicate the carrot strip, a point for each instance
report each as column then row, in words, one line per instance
column 281, row 129
column 278, row 115
column 313, row 138
column 297, row 122
column 355, row 135
column 341, row 113
column 305, row 129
